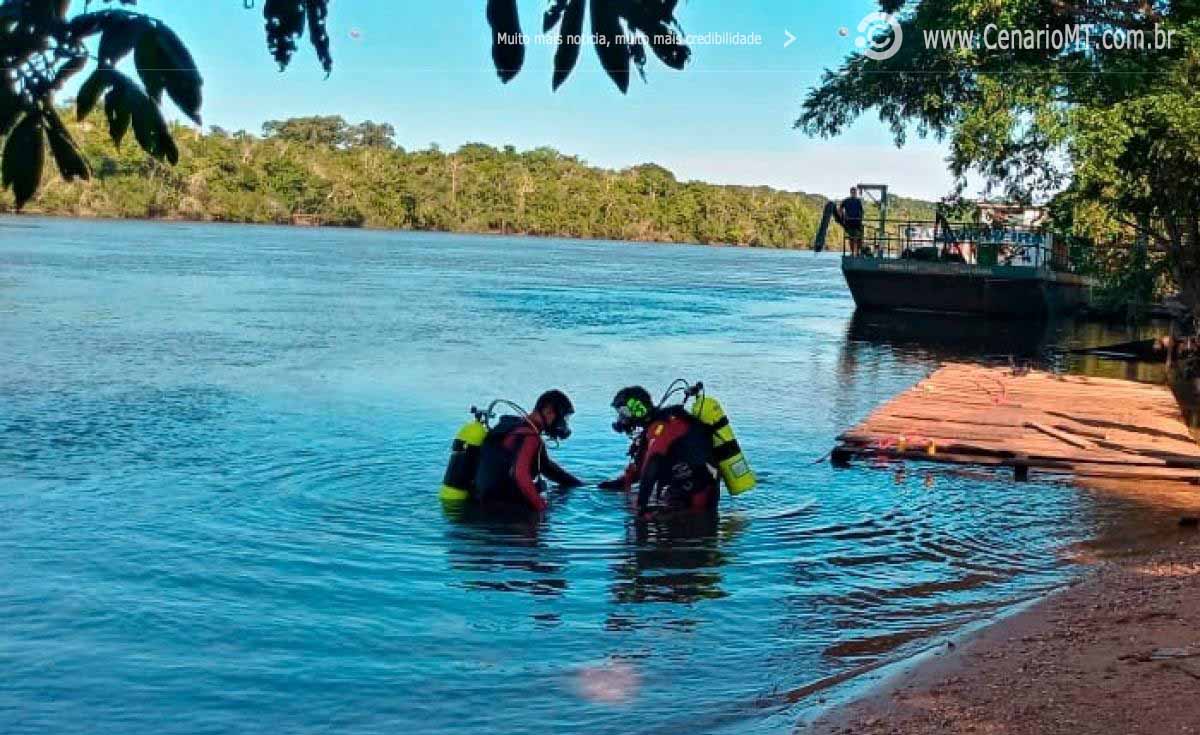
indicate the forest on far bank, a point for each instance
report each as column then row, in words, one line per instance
column 354, row 175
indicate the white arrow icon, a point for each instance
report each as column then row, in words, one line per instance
column 790, row 38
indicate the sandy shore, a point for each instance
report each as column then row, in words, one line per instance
column 1118, row 652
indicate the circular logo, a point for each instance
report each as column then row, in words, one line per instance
column 881, row 36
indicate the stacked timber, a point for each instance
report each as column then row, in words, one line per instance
column 1094, row 429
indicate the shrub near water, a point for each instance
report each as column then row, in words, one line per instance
column 354, row 175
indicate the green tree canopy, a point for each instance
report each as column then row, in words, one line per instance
column 329, row 131
column 477, row 188
column 332, row 132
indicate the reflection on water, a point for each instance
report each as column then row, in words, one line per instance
column 220, row 462
column 923, row 338
column 926, row 336
column 1042, row 344
column 674, row 559
column 503, row 549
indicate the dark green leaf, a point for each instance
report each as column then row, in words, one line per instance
column 554, row 14
column 10, row 110
column 570, row 41
column 318, row 32
column 24, row 158
column 656, row 21
column 128, row 104
column 71, row 163
column 151, row 66
column 117, row 113
column 90, row 91
column 610, row 42
column 122, row 31
column 285, row 21
column 182, row 78
column 637, row 51
column 164, row 63
column 87, row 23
column 149, row 127
column 508, row 48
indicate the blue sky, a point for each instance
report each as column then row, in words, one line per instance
column 425, row 67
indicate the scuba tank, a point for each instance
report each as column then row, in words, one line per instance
column 726, row 453
column 459, row 482
column 466, row 452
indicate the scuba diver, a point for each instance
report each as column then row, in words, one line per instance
column 634, row 407
column 669, row 451
column 512, row 459
column 677, row 454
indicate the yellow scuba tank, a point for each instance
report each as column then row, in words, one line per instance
column 464, row 461
column 731, row 463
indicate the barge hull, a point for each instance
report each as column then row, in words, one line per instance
column 883, row 284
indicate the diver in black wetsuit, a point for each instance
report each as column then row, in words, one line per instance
column 669, row 455
column 513, row 459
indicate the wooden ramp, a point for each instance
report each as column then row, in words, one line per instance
column 1101, row 431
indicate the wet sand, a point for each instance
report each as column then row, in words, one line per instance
column 1117, row 652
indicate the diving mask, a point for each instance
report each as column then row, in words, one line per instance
column 560, row 430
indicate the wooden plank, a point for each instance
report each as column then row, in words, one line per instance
column 1038, row 454
column 1177, row 432
column 1097, row 430
column 1062, row 437
column 1039, row 465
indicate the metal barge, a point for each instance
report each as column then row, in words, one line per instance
column 995, row 267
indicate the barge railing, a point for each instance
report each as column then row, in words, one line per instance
column 965, row 242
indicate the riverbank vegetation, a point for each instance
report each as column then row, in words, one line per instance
column 337, row 173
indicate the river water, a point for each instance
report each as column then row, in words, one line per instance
column 220, row 450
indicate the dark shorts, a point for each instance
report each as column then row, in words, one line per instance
column 854, row 229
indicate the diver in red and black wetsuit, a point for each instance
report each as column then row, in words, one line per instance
column 669, row 455
column 513, row 459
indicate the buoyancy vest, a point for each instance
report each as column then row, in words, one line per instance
column 494, row 480
column 684, row 446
